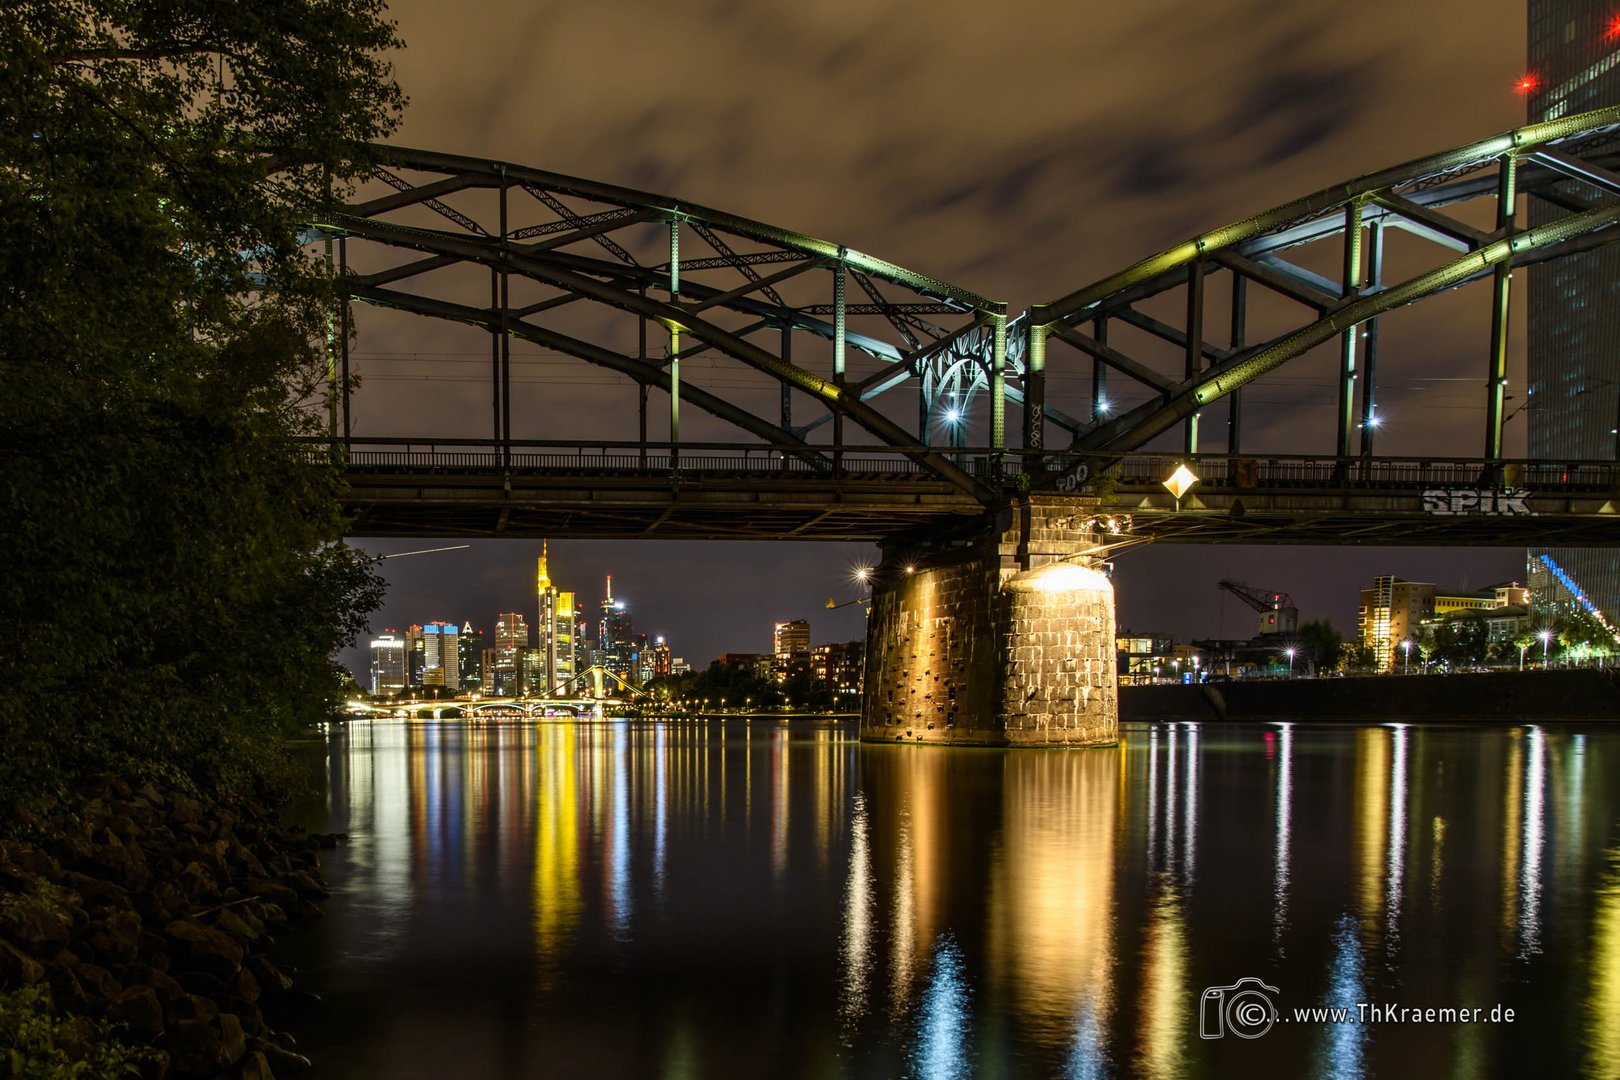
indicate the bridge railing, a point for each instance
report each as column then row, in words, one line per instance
column 999, row 468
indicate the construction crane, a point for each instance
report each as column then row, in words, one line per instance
column 1278, row 615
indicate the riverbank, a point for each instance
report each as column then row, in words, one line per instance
column 148, row 917
column 1493, row 696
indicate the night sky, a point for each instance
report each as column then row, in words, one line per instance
column 1021, row 150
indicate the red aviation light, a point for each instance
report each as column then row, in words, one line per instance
column 1526, row 84
column 1613, row 31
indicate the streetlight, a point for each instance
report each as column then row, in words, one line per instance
column 1290, row 652
column 1523, row 647
column 1546, row 639
column 1406, row 657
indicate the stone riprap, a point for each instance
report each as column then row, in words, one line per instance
column 151, row 912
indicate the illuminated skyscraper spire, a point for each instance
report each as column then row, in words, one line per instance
column 543, row 577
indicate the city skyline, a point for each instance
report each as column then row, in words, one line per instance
column 685, row 624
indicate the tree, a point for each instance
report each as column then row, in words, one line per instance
column 1462, row 639
column 1585, row 637
column 1320, row 644
column 178, row 580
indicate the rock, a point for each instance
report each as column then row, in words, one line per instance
column 38, row 927
column 184, row 811
column 232, row 1039
column 189, row 1007
column 287, row 1060
column 246, row 1012
column 154, row 949
column 273, row 891
column 256, row 1067
column 205, row 948
column 194, row 1047
column 234, row 925
column 196, row 883
column 66, row 992
column 247, row 987
column 270, row 978
column 138, row 1009
column 200, row 982
column 98, row 982
column 117, row 936
column 96, row 892
column 18, row 968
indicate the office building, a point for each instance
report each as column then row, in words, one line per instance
column 388, row 664
column 511, row 638
column 470, row 657
column 839, row 666
column 441, row 656
column 617, row 638
column 792, row 646
column 1573, row 304
column 555, row 629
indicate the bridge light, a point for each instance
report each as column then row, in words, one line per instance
column 952, row 415
column 1104, row 406
column 1373, row 420
column 1181, row 481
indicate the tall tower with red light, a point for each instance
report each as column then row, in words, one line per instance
column 1572, row 304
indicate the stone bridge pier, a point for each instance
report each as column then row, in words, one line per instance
column 1001, row 638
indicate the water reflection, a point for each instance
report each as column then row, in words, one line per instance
column 514, row 893
column 1282, row 853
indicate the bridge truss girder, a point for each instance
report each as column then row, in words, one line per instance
column 578, row 244
column 1559, row 162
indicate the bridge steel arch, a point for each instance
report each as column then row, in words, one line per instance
column 570, row 236
column 1571, row 165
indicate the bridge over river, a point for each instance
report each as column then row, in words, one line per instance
column 830, row 394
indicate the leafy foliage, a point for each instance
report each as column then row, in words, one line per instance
column 1320, row 644
column 37, row 1045
column 178, row 580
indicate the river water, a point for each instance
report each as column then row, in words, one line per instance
column 758, row 899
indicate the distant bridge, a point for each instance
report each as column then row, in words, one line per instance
column 482, row 709
column 878, row 374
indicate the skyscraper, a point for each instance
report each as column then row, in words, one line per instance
column 388, row 664
column 470, row 647
column 441, row 661
column 617, row 639
column 555, row 629
column 511, row 638
column 1573, row 315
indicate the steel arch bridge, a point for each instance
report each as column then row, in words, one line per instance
column 853, row 336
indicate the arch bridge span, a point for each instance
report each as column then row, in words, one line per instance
column 891, row 393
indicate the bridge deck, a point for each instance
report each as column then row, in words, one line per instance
column 866, row 494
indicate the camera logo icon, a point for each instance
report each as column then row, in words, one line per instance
column 1247, row 1009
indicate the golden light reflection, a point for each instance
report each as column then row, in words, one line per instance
column 1372, row 821
column 1512, row 833
column 1051, row 919
column 1603, row 992
column 1438, row 860
column 859, row 899
column 903, row 928
column 1166, row 1019
column 780, row 805
column 558, row 893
